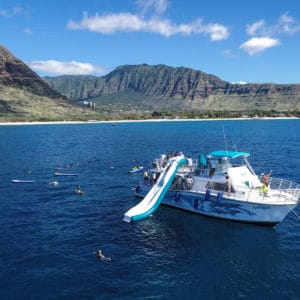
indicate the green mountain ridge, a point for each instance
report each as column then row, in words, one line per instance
column 163, row 87
column 134, row 92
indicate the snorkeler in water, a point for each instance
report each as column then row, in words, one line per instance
column 79, row 190
column 100, row 255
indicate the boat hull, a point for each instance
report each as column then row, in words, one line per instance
column 219, row 207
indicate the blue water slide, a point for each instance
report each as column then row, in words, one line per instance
column 154, row 197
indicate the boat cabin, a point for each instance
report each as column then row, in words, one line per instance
column 219, row 164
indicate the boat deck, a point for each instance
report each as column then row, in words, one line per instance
column 272, row 196
column 245, row 185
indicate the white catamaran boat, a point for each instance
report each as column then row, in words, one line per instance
column 221, row 184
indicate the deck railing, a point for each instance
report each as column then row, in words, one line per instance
column 282, row 189
column 286, row 186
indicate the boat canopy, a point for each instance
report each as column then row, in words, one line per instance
column 229, row 154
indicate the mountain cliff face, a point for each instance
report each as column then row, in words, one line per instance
column 163, row 82
column 157, row 81
column 137, row 89
column 166, row 87
column 24, row 95
column 14, row 73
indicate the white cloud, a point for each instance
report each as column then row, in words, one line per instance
column 228, row 53
column 216, row 31
column 158, row 6
column 55, row 67
column 162, row 27
column 285, row 25
column 285, row 18
column 10, row 13
column 256, row 45
column 109, row 24
column 288, row 25
column 255, row 27
column 27, row 31
column 265, row 36
column 127, row 22
column 239, row 82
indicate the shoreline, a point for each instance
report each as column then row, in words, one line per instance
column 138, row 121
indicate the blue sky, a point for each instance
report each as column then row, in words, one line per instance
column 236, row 40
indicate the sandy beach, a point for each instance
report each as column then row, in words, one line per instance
column 139, row 121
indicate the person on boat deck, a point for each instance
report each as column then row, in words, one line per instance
column 225, row 163
column 220, row 163
column 189, row 182
column 154, row 178
column 266, row 178
column 264, row 188
column 228, row 185
column 146, row 176
column 213, row 166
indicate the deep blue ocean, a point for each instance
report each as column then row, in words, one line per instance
column 49, row 233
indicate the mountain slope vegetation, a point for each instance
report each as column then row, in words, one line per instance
column 134, row 92
column 163, row 87
column 25, row 96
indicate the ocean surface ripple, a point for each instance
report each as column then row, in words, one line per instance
column 49, row 233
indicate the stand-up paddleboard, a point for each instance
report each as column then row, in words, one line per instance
column 65, row 174
column 22, row 181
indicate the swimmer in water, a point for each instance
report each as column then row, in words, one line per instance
column 55, row 183
column 78, row 190
column 99, row 254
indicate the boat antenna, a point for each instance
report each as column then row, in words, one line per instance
column 224, row 136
